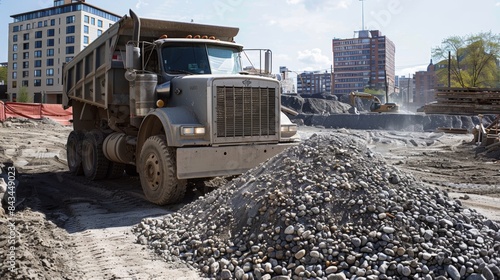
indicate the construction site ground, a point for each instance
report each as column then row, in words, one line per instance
column 67, row 227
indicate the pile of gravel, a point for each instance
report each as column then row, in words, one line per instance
column 327, row 209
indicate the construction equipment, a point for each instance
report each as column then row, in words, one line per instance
column 376, row 105
column 153, row 96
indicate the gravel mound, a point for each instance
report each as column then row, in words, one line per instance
column 327, row 209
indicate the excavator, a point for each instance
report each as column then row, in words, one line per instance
column 376, row 106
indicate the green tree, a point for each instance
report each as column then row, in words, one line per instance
column 23, row 95
column 474, row 60
column 3, row 74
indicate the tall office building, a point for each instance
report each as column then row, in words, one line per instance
column 363, row 62
column 41, row 41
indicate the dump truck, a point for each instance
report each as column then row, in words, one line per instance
column 376, row 105
column 169, row 101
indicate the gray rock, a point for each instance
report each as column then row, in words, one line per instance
column 337, row 276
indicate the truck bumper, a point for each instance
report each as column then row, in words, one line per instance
column 200, row 162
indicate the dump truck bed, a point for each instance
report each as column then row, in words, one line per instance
column 93, row 76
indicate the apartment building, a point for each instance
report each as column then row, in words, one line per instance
column 41, row 41
column 314, row 82
column 363, row 62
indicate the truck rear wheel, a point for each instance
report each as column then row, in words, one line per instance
column 74, row 152
column 158, row 174
column 95, row 164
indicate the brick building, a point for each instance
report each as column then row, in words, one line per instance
column 363, row 62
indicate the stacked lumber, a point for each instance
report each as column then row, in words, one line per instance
column 465, row 101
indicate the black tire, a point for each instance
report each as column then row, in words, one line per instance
column 158, row 174
column 95, row 164
column 74, row 152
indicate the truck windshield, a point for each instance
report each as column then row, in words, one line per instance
column 190, row 58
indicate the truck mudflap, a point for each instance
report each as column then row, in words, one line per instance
column 200, row 162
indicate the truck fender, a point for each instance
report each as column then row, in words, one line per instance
column 165, row 121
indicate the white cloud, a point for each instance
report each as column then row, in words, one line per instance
column 497, row 4
column 141, row 3
column 314, row 59
column 411, row 70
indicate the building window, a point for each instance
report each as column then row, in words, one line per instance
column 86, row 29
column 26, row 55
column 86, row 19
column 37, row 73
column 40, row 24
column 25, row 83
column 14, row 75
column 38, row 44
column 38, row 63
column 70, row 50
column 50, row 62
column 37, row 82
column 26, row 64
column 68, row 58
column 15, row 28
column 50, row 52
column 26, row 36
column 28, row 26
column 49, row 72
column 14, row 56
column 99, row 23
column 45, row 23
column 50, row 82
column 38, row 53
column 99, row 32
column 70, row 39
column 26, row 74
column 92, row 21
column 14, row 84
column 14, row 66
column 85, row 39
column 14, row 47
column 70, row 19
column 26, row 46
column 50, row 32
column 50, row 42
column 14, row 38
column 38, row 34
column 70, row 29
column 52, row 22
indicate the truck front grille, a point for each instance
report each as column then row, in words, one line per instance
column 245, row 111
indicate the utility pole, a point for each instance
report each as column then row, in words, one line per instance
column 449, row 69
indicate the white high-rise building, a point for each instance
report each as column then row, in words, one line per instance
column 41, row 41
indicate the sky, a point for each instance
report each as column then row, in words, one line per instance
column 300, row 32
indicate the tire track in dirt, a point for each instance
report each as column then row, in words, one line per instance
column 100, row 231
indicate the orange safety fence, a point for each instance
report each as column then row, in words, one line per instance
column 35, row 111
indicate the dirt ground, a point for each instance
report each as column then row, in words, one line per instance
column 65, row 227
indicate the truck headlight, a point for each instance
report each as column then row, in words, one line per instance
column 192, row 130
column 288, row 130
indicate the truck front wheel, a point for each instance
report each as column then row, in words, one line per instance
column 157, row 171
